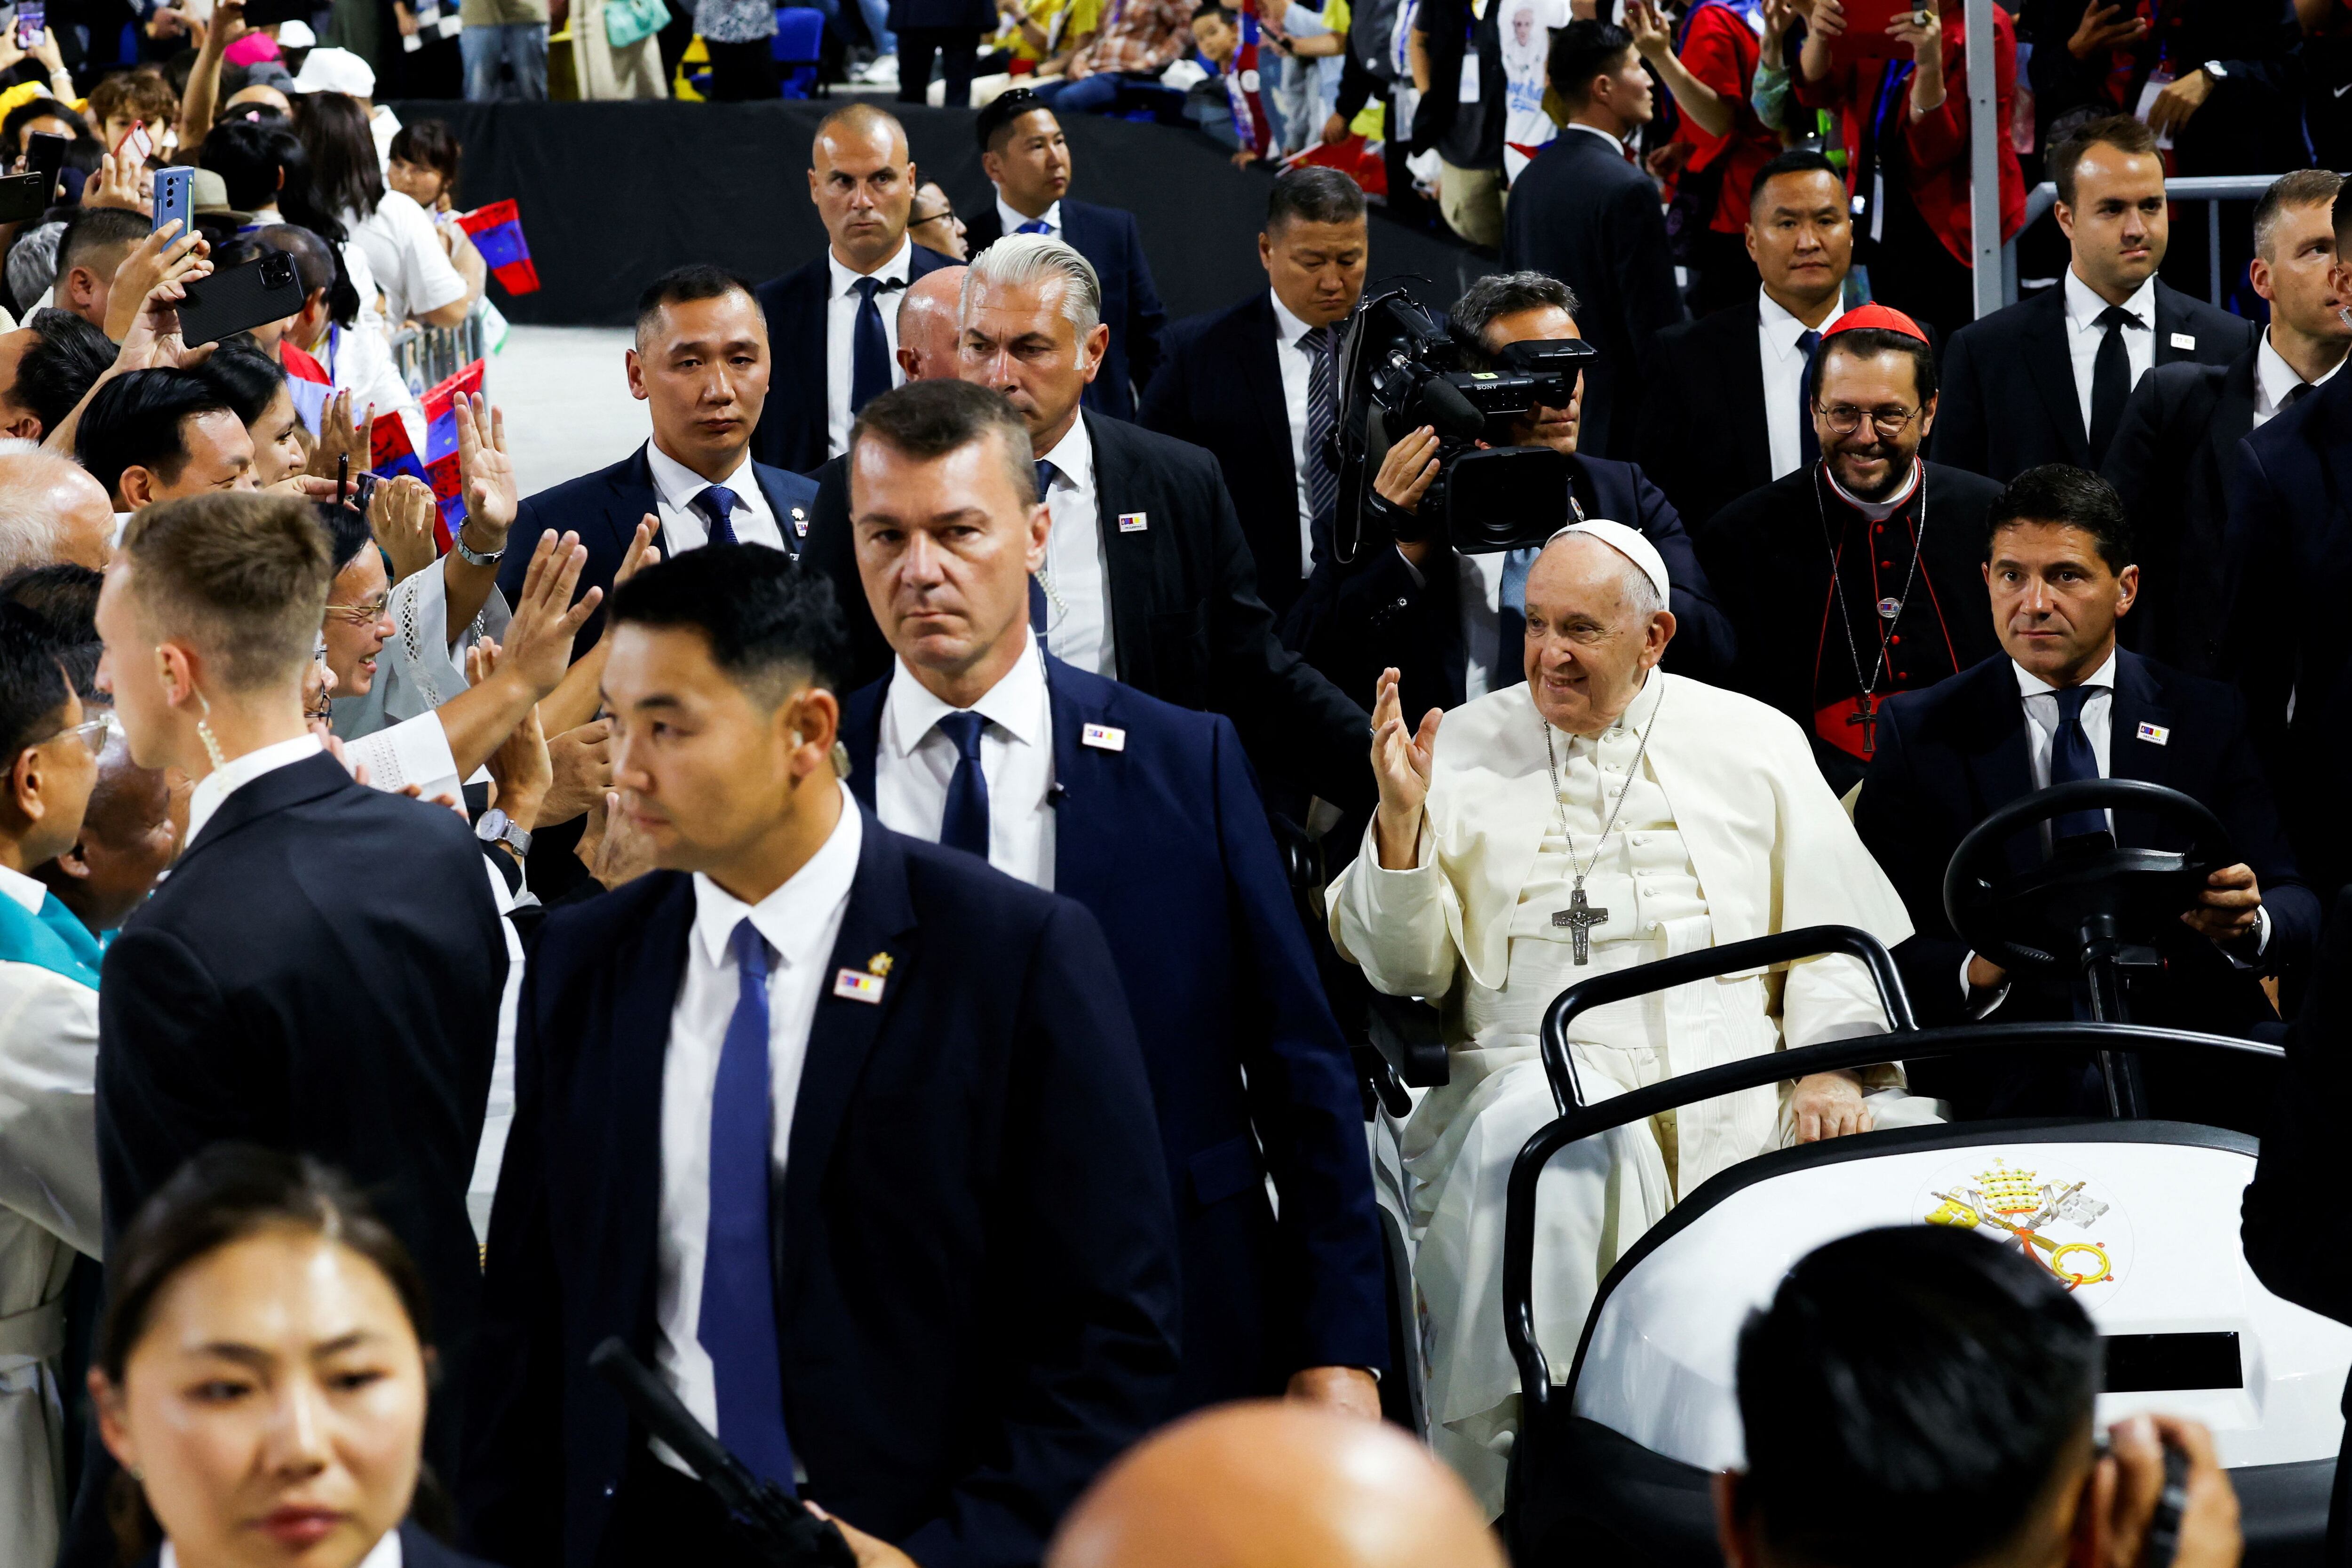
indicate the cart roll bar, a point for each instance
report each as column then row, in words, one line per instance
column 1707, row 963
column 1837, row 1056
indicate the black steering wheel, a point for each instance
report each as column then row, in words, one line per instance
column 2053, row 916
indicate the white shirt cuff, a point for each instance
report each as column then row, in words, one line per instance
column 1978, row 1011
column 2261, row 941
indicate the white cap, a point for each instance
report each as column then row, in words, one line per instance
column 295, row 34
column 1629, row 542
column 335, row 71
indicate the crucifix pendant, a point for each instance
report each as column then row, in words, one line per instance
column 1865, row 715
column 1579, row 917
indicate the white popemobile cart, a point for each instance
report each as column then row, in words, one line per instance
column 2139, row 1219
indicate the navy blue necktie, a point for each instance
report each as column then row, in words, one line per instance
column 869, row 348
column 717, row 506
column 1034, row 226
column 1809, row 445
column 2072, row 760
column 1511, row 629
column 964, row 825
column 738, row 1322
column 1037, row 589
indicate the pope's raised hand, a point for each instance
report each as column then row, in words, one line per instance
column 1401, row 759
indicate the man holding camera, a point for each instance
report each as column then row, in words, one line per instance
column 1450, row 624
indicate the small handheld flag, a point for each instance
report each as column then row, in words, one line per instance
column 497, row 233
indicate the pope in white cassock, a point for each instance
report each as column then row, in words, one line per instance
column 1603, row 815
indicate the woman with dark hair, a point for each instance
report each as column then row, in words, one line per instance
column 261, row 1374
column 254, row 387
column 424, row 164
column 413, row 269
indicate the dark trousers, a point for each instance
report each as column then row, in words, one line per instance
column 741, row 72
column 958, row 48
column 665, row 1516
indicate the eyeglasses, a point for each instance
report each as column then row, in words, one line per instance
column 93, row 733
column 1844, row 418
column 366, row 615
column 938, row 216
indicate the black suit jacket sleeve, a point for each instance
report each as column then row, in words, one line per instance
column 513, row 1490
column 1086, row 1231
column 2252, row 654
column 190, row 1083
column 2297, row 1229
column 2244, row 802
column 1146, row 315
column 1961, row 439
column 1645, row 271
column 832, row 552
column 1705, row 647
column 1352, row 623
column 1284, row 709
column 1892, row 816
column 2141, row 449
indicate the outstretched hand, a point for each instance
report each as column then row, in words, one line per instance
column 1401, row 762
column 538, row 638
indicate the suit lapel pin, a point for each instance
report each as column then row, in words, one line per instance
column 1103, row 738
column 857, row 987
column 2155, row 734
column 880, row 965
column 800, row 522
column 2185, row 340
column 1134, row 522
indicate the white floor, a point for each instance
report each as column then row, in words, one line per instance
column 566, row 399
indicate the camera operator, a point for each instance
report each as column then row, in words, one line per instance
column 1450, row 623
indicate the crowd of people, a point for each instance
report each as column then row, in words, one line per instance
column 869, row 901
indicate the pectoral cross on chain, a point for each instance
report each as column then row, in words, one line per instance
column 1579, row 917
column 1865, row 715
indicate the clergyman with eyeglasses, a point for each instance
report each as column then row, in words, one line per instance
column 1858, row 576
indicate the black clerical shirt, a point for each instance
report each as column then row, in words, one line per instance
column 1800, row 568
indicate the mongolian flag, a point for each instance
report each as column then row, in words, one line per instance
column 441, row 447
column 496, row 232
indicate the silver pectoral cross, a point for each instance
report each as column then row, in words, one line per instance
column 1579, row 917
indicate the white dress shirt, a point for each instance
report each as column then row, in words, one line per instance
column 384, row 1554
column 1297, row 372
column 1077, row 588
column 218, row 785
column 916, row 759
column 1776, row 333
column 2274, row 379
column 800, row 922
column 1009, row 221
column 2083, row 334
column 2039, row 699
column 840, row 336
column 1616, row 143
column 684, row 528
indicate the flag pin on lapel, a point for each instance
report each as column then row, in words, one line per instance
column 1134, row 522
column 1104, row 738
column 865, row 987
column 800, row 522
column 2155, row 734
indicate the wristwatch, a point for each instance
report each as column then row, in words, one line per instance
column 2215, row 70
column 471, row 556
column 495, row 827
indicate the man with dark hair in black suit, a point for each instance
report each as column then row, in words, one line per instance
column 1450, row 624
column 2178, row 444
column 1858, row 576
column 846, row 1135
column 2061, row 703
column 1027, row 159
column 1258, row 383
column 2045, row 381
column 1742, row 378
column 1146, row 577
column 1584, row 212
column 702, row 365
column 834, row 320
